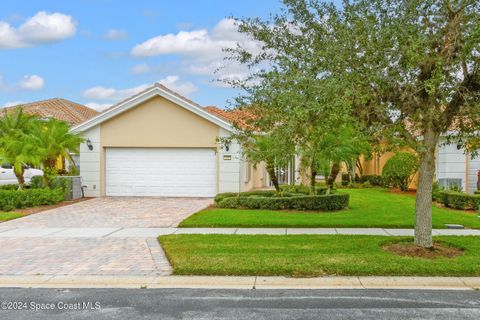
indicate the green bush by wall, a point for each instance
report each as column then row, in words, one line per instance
column 459, row 200
column 329, row 202
column 16, row 199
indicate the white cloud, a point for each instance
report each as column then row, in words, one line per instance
column 12, row 104
column 41, row 28
column 28, row 82
column 113, row 95
column 115, row 34
column 32, row 82
column 202, row 50
column 140, row 69
column 98, row 106
column 199, row 42
column 104, row 93
column 174, row 83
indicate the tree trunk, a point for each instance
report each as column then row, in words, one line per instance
column 423, row 205
column 333, row 175
column 50, row 164
column 359, row 167
column 20, row 178
column 273, row 177
column 313, row 181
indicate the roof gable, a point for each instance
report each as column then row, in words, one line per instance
column 156, row 90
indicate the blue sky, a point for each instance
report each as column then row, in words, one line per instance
column 97, row 52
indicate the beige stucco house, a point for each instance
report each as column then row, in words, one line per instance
column 159, row 143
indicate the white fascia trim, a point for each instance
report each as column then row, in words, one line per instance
column 128, row 104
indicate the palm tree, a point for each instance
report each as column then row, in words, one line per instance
column 16, row 144
column 54, row 139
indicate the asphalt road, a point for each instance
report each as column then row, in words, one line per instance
column 238, row 304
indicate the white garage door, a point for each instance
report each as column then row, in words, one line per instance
column 160, row 172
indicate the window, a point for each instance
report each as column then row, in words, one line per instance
column 248, row 171
column 450, row 183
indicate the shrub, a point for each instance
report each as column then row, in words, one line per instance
column 436, row 189
column 37, row 182
column 346, row 179
column 9, row 187
column 359, row 179
column 264, row 193
column 16, row 199
column 399, row 170
column 459, row 200
column 374, row 180
column 319, row 189
column 64, row 184
column 329, row 202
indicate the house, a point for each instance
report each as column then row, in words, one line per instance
column 60, row 109
column 159, row 143
column 57, row 108
column 454, row 166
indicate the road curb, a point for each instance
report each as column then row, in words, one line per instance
column 246, row 282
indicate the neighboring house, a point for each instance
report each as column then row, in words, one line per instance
column 60, row 109
column 159, row 143
column 57, row 108
column 454, row 166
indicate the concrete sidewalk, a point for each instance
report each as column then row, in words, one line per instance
column 246, row 282
column 154, row 232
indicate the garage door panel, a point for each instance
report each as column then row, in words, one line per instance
column 160, row 172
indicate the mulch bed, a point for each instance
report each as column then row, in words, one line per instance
column 28, row 211
column 439, row 250
column 408, row 192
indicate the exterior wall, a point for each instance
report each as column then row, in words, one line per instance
column 159, row 123
column 376, row 164
column 156, row 123
column 451, row 163
column 260, row 176
column 229, row 166
column 473, row 168
column 90, row 162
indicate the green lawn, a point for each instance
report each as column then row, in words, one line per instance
column 5, row 216
column 368, row 208
column 305, row 256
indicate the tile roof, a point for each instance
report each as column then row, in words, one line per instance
column 237, row 116
column 60, row 109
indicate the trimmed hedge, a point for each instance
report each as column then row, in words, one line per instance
column 459, row 200
column 17, row 199
column 304, row 189
column 329, row 202
column 265, row 193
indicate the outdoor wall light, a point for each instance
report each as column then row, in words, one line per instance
column 226, row 145
column 89, row 144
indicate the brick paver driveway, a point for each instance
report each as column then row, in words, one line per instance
column 121, row 212
column 87, row 249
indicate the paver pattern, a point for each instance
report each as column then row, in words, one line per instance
column 73, row 240
column 110, row 212
column 86, row 256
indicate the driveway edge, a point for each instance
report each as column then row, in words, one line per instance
column 246, row 282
